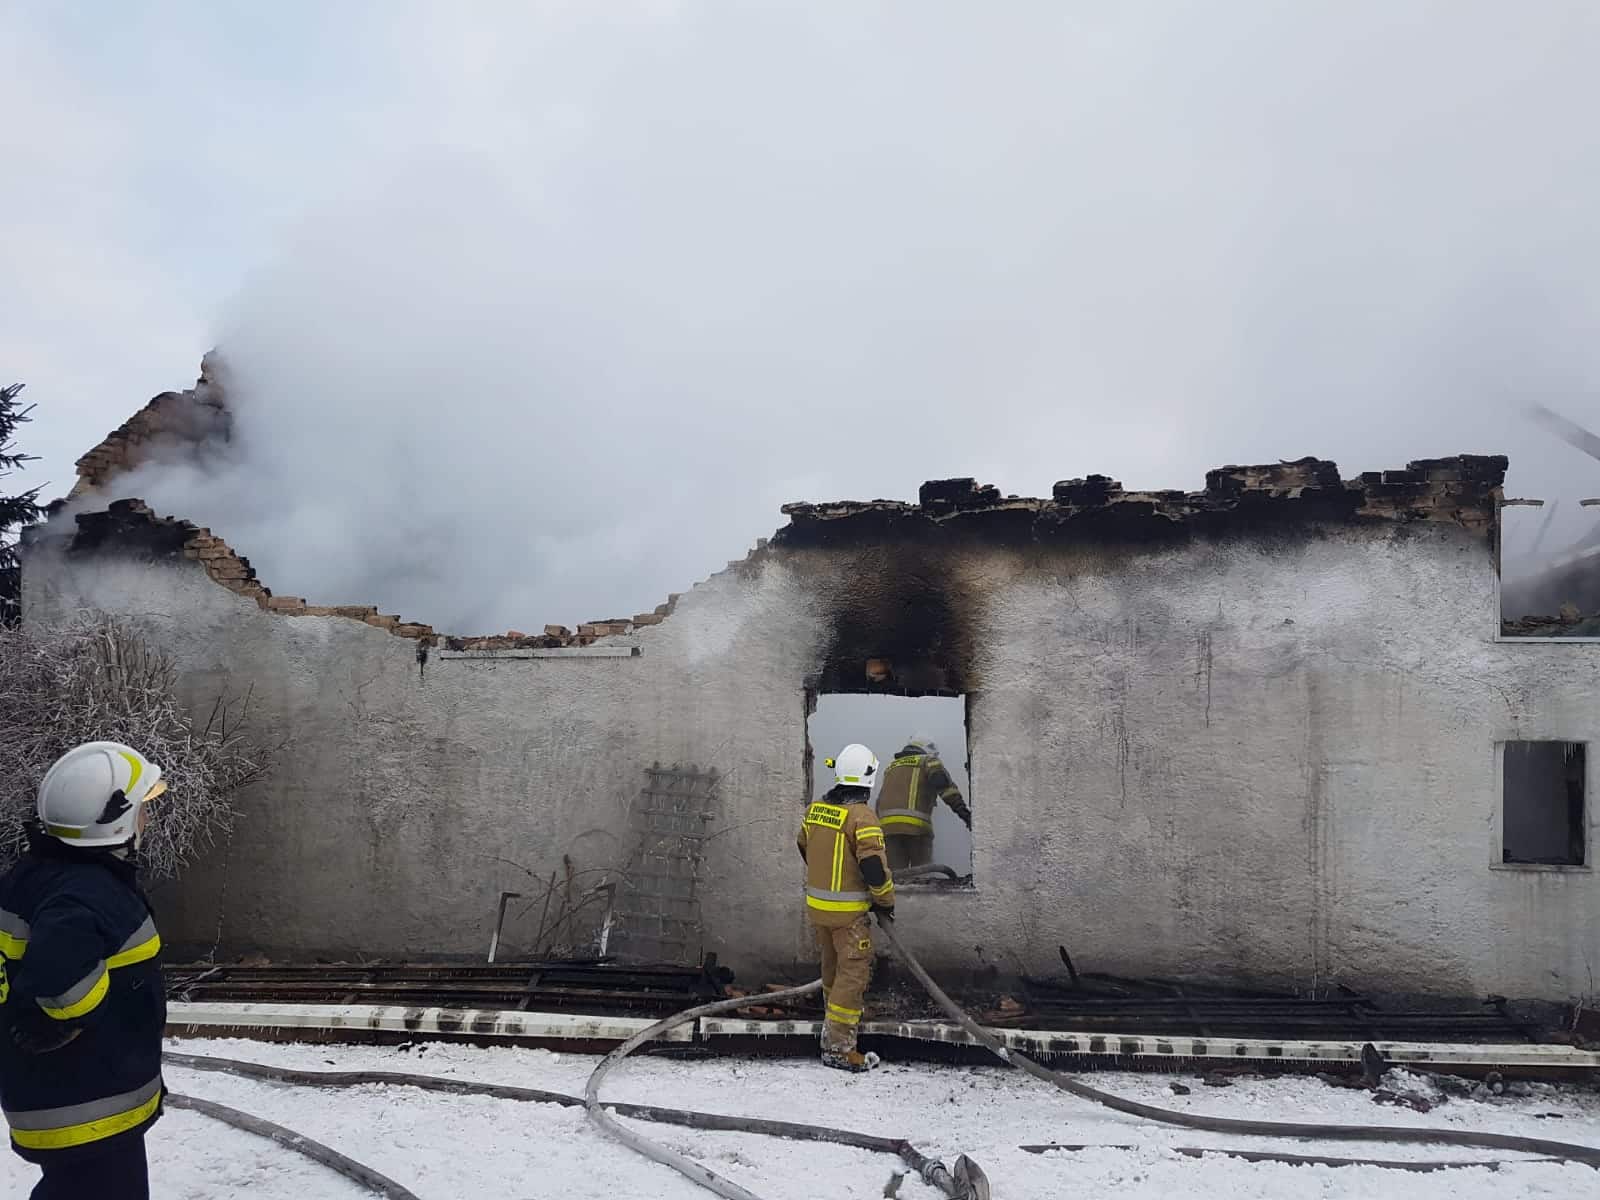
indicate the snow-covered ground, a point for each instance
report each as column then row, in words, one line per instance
column 452, row 1147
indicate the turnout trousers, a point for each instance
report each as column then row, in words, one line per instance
column 846, row 972
column 903, row 851
column 116, row 1171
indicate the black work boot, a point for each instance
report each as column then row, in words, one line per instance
column 852, row 1060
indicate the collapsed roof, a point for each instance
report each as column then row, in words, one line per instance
column 1464, row 490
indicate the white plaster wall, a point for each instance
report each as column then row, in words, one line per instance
column 1275, row 763
column 1271, row 761
column 403, row 801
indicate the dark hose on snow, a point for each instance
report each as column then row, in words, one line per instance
column 372, row 1180
column 929, row 1169
column 686, row 1167
column 968, row 1183
column 1567, row 1151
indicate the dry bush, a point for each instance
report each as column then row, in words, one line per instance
column 96, row 679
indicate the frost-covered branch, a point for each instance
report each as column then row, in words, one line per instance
column 96, row 679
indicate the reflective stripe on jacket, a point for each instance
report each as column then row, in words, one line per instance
column 79, row 955
column 912, row 784
column 834, row 838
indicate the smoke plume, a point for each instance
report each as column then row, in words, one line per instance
column 674, row 269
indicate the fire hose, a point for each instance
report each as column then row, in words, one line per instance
column 966, row 1183
column 1566, row 1151
column 360, row 1173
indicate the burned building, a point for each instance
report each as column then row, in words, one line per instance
column 1266, row 731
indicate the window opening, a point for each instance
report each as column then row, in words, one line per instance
column 1549, row 560
column 1542, row 805
column 887, row 725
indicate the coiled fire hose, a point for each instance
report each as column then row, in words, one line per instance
column 1567, row 1151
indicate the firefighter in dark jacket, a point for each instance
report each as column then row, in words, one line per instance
column 913, row 782
column 82, row 1008
column 846, row 877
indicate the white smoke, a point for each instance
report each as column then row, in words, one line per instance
column 651, row 275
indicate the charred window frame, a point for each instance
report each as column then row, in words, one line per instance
column 1542, row 822
column 1560, row 602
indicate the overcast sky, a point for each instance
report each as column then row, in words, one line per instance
column 541, row 310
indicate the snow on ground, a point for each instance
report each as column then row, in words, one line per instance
column 450, row 1147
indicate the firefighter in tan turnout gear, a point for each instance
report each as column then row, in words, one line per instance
column 847, row 876
column 913, row 782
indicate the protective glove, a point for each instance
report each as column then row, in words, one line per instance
column 884, row 913
column 42, row 1036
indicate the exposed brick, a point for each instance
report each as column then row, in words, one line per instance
column 409, row 630
column 557, row 631
column 1095, row 490
column 950, row 494
column 285, row 604
column 382, row 621
column 649, row 619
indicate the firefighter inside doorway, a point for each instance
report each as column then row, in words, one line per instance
column 913, row 783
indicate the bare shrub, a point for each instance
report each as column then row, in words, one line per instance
column 96, row 679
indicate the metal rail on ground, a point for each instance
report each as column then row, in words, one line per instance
column 356, row 1020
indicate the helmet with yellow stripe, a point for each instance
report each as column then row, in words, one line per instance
column 92, row 794
column 856, row 766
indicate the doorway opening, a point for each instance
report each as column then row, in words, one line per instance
column 889, row 726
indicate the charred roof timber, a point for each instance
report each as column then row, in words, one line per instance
column 1463, row 490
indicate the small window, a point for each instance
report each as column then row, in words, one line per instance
column 1542, row 805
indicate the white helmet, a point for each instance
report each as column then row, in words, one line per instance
column 92, row 793
column 856, row 766
column 926, row 743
